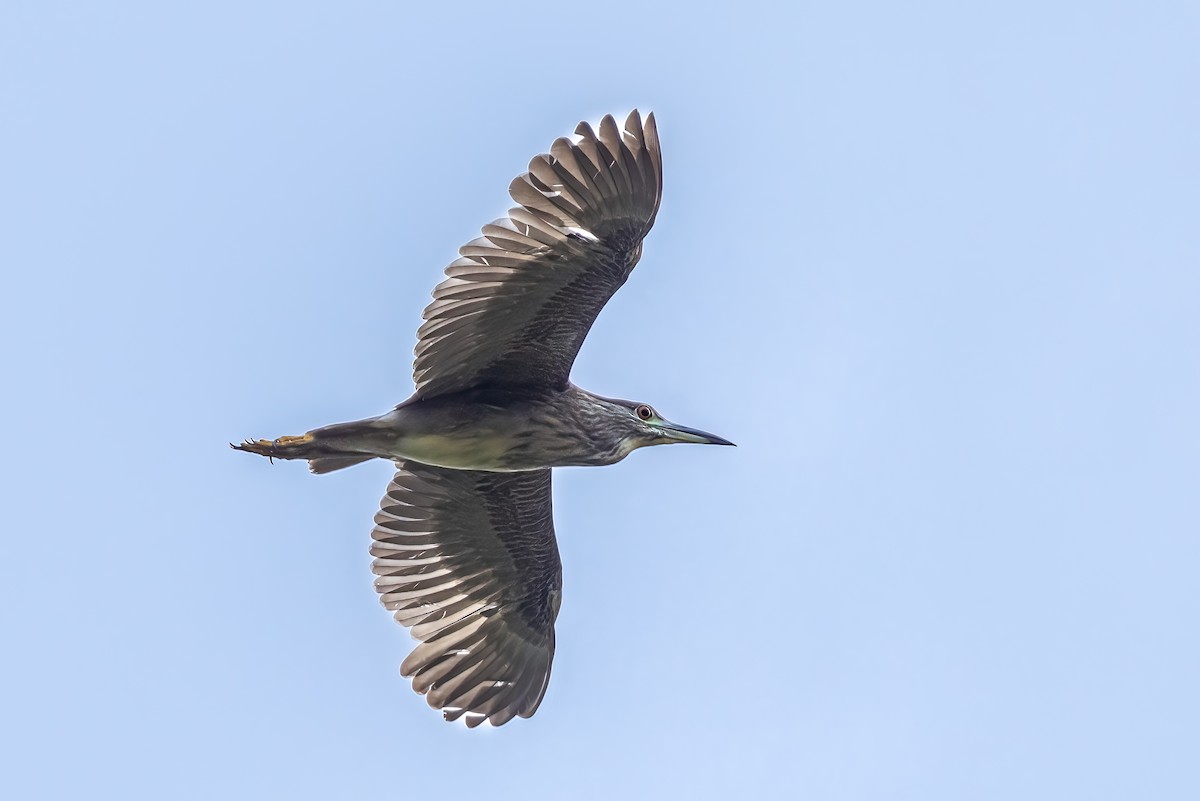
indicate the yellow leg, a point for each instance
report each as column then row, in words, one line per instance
column 282, row 448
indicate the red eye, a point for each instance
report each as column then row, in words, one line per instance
column 644, row 412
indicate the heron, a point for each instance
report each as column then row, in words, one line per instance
column 464, row 546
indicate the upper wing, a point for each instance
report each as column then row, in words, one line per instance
column 516, row 307
column 467, row 560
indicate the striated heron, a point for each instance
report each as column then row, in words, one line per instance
column 464, row 544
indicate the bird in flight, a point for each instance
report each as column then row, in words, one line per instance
column 463, row 544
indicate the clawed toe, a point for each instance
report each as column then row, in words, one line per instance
column 282, row 448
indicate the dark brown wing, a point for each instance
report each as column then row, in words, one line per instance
column 516, row 307
column 467, row 560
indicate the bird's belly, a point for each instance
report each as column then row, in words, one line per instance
column 473, row 435
column 475, row 451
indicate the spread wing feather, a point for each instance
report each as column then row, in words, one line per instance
column 515, row 307
column 467, row 560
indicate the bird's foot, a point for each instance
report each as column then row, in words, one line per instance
column 282, row 448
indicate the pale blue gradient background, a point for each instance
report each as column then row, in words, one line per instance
column 935, row 269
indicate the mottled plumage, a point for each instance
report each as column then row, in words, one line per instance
column 464, row 547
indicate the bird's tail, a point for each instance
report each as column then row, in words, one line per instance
column 327, row 464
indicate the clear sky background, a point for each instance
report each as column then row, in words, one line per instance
column 934, row 267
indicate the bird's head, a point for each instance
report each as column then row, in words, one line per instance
column 644, row 426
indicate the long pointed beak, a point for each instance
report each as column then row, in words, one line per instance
column 673, row 432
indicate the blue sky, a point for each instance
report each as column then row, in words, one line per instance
column 932, row 266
